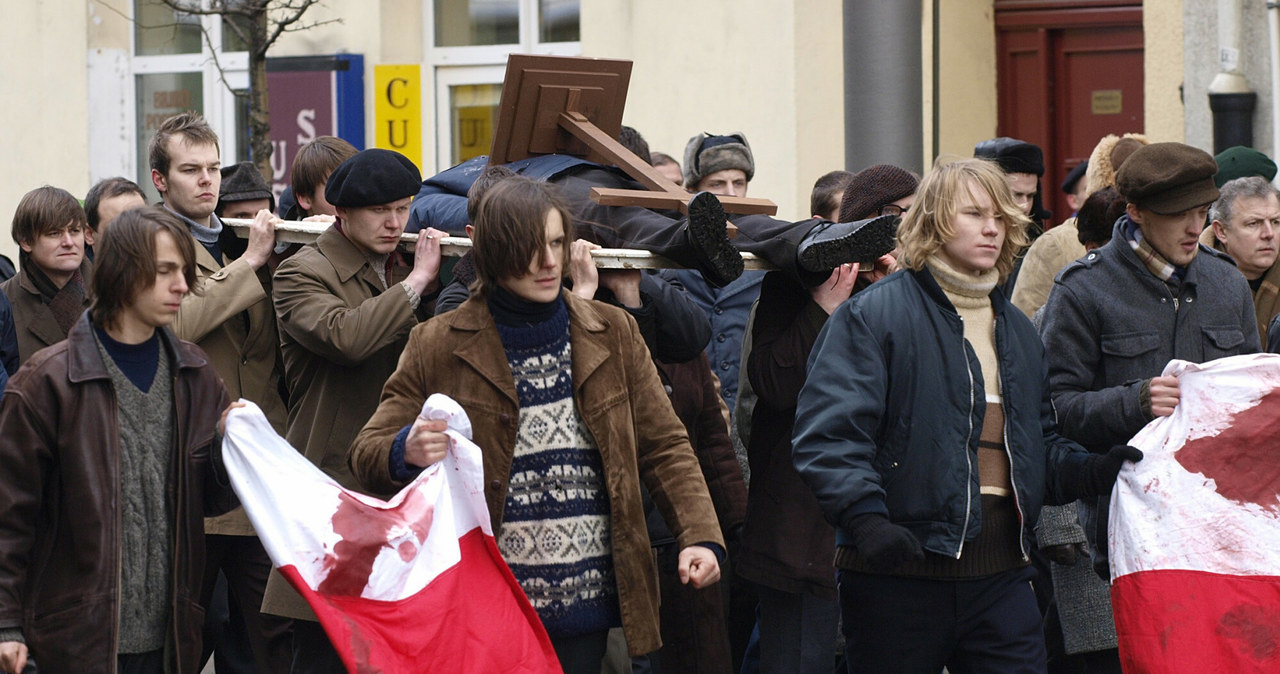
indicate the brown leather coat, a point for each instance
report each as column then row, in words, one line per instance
column 60, row 523
column 622, row 403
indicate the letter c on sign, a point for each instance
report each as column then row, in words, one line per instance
column 404, row 101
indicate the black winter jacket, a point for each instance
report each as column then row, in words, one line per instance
column 889, row 417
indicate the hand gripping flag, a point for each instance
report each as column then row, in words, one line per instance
column 414, row 584
column 1195, row 526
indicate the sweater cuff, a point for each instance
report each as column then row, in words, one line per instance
column 1144, row 400
column 716, row 548
column 12, row 634
column 414, row 299
column 401, row 471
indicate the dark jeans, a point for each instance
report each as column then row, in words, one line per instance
column 313, row 653
column 151, row 662
column 988, row 624
column 581, row 654
column 797, row 632
column 244, row 563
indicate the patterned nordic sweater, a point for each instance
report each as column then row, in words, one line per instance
column 555, row 527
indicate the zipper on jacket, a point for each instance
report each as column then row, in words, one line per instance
column 1008, row 451
column 968, row 499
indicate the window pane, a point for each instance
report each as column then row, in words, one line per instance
column 474, row 114
column 160, row 30
column 559, row 21
column 230, row 38
column 161, row 96
column 463, row 23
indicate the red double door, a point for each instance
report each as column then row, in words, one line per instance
column 1067, row 75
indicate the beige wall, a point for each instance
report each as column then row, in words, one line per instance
column 43, row 103
column 967, row 75
column 770, row 70
column 1164, row 70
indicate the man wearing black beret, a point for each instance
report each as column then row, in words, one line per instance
column 1118, row 315
column 346, row 304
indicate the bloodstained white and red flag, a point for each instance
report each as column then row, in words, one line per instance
column 413, row 584
column 1195, row 526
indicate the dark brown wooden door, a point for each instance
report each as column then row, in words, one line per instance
column 1067, row 75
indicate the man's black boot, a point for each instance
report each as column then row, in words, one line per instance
column 831, row 244
column 718, row 260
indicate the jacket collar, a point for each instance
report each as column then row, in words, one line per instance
column 586, row 325
column 84, row 362
column 346, row 259
column 204, row 258
column 1126, row 253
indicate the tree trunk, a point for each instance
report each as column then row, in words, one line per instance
column 259, row 107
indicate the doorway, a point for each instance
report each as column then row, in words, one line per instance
column 1067, row 75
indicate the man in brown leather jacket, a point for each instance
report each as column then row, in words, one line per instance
column 109, row 460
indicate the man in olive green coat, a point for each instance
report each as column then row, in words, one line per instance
column 345, row 305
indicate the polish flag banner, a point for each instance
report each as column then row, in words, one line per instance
column 1195, row 526
column 414, row 584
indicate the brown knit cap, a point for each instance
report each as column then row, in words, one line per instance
column 873, row 188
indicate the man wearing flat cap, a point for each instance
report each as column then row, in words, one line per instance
column 229, row 316
column 346, row 304
column 1118, row 315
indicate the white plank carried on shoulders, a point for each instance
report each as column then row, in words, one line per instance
column 293, row 231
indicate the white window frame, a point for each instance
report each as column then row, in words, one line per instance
column 483, row 64
column 218, row 99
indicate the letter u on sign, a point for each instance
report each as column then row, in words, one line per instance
column 398, row 110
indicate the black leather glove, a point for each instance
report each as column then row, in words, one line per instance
column 1065, row 554
column 1100, row 471
column 881, row 543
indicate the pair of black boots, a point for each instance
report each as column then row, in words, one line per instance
column 826, row 246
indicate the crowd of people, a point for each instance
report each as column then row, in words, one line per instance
column 892, row 452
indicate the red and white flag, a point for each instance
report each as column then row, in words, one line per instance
column 414, row 584
column 1195, row 526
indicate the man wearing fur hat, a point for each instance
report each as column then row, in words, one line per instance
column 346, row 303
column 1152, row 294
column 721, row 165
column 229, row 316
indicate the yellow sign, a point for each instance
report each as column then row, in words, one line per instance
column 1106, row 102
column 397, row 110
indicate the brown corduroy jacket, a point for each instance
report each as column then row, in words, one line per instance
column 618, row 393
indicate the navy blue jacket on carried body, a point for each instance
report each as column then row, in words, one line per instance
column 892, row 408
column 441, row 202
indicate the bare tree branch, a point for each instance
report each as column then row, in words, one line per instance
column 258, row 24
column 293, row 14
